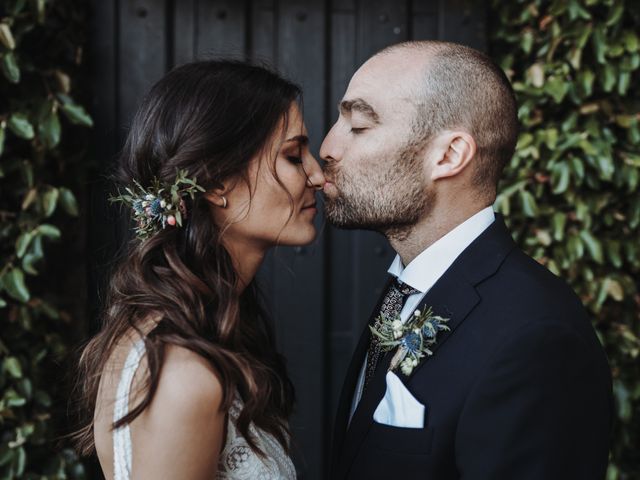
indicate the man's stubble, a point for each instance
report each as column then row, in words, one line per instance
column 387, row 200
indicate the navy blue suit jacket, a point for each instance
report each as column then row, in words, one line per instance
column 519, row 389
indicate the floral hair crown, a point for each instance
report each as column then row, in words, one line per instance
column 159, row 205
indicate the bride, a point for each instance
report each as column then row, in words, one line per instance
column 183, row 380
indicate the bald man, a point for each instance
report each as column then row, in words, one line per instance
column 518, row 387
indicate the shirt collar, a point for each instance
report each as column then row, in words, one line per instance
column 425, row 270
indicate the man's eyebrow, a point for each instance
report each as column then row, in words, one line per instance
column 358, row 105
column 301, row 139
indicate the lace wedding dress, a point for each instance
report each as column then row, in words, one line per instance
column 237, row 460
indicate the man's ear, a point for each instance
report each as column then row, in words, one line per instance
column 452, row 152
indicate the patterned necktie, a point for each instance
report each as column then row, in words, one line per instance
column 392, row 305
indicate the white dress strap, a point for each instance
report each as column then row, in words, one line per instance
column 122, row 435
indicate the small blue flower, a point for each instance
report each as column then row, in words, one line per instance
column 156, row 207
column 137, row 206
column 428, row 329
column 411, row 342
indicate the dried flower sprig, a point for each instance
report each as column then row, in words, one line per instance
column 159, row 205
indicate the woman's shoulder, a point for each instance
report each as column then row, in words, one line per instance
column 188, row 382
column 185, row 410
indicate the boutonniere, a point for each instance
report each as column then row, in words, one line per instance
column 413, row 337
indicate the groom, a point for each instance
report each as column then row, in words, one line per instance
column 519, row 387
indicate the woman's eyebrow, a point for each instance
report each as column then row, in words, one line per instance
column 301, row 139
column 358, row 105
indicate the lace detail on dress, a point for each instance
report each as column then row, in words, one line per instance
column 237, row 460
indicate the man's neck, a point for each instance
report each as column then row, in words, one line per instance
column 411, row 243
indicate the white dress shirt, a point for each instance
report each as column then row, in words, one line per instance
column 425, row 270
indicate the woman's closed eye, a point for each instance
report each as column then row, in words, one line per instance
column 357, row 131
column 294, row 159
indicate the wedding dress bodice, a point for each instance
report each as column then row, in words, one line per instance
column 237, row 461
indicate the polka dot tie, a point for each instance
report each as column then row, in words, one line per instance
column 391, row 307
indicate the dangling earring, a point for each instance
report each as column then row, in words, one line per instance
column 224, row 201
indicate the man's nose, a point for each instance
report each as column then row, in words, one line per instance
column 328, row 149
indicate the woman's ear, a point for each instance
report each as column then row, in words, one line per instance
column 455, row 152
column 217, row 196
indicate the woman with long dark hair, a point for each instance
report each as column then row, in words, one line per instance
column 183, row 381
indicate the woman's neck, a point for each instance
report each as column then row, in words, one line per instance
column 247, row 258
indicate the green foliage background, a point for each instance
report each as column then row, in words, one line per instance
column 571, row 191
column 41, row 160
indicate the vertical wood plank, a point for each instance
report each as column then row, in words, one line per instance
column 263, row 28
column 220, row 28
column 184, row 31
column 298, row 294
column 424, row 19
column 380, row 23
column 463, row 21
column 143, row 51
column 102, row 237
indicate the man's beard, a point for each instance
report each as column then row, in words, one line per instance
column 390, row 202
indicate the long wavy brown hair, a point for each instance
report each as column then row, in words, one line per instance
column 210, row 118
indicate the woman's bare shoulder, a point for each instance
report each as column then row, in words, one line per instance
column 185, row 412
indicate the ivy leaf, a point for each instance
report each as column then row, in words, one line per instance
column 49, row 231
column 22, row 243
column 50, row 200
column 15, row 286
column 557, row 88
column 77, row 114
column 529, row 205
column 6, row 37
column 12, row 366
column 559, row 220
column 49, row 129
column 2, row 136
column 19, row 124
column 599, row 44
column 10, row 68
column 68, row 201
column 560, row 177
column 29, row 261
column 593, row 246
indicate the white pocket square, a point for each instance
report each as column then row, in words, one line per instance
column 399, row 408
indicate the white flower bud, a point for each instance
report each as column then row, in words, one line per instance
column 163, row 203
column 417, row 313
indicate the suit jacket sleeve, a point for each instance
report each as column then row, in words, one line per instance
column 540, row 410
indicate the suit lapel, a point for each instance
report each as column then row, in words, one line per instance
column 453, row 296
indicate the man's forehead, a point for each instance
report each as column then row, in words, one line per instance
column 383, row 82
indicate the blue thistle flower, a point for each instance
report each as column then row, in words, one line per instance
column 428, row 329
column 411, row 342
column 156, row 208
column 137, row 206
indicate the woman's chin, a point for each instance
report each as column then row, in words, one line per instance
column 300, row 236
